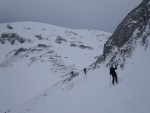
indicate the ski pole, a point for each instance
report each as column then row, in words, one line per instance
column 110, row 80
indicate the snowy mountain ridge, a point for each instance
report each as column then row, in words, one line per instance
column 38, row 92
column 39, row 55
column 132, row 31
column 49, row 44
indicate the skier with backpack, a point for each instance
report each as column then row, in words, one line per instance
column 85, row 71
column 114, row 75
column 72, row 73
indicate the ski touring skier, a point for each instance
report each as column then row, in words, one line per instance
column 85, row 71
column 72, row 73
column 114, row 75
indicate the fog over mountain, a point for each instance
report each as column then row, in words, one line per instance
column 102, row 15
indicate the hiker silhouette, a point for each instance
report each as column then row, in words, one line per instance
column 72, row 73
column 114, row 75
column 85, row 71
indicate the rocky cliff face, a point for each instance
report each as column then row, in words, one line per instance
column 135, row 28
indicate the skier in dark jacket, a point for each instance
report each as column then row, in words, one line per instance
column 114, row 75
column 85, row 71
column 72, row 73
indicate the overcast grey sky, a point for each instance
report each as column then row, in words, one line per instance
column 102, row 15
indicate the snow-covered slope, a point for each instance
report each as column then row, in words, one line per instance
column 91, row 93
column 34, row 76
column 35, row 56
column 47, row 41
column 94, row 93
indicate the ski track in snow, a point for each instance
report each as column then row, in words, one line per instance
column 91, row 93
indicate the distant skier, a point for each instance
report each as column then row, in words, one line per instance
column 114, row 75
column 85, row 71
column 71, row 72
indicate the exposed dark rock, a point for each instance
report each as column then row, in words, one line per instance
column 42, row 45
column 52, row 51
column 73, row 45
column 123, row 40
column 12, row 38
column 9, row 27
column 89, row 47
column 20, row 50
column 85, row 47
column 39, row 37
column 59, row 40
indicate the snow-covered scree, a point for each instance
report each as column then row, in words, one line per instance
column 50, row 42
column 94, row 93
column 35, row 56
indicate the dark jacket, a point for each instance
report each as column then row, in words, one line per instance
column 112, row 70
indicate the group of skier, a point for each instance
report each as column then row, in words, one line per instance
column 112, row 72
column 85, row 71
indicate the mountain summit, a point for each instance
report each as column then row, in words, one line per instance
column 132, row 31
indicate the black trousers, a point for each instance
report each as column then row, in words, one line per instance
column 114, row 78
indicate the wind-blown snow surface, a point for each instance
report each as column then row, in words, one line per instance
column 93, row 93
